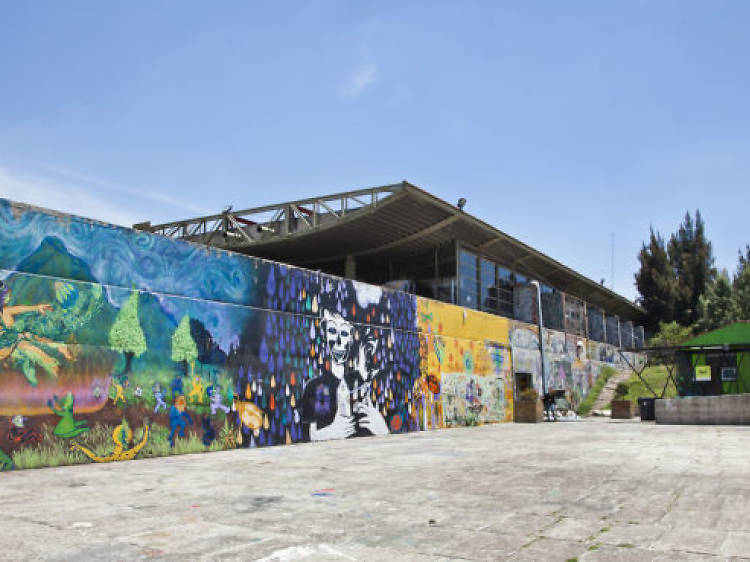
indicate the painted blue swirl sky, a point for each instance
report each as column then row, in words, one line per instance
column 123, row 258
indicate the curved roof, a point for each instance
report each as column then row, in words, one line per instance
column 397, row 220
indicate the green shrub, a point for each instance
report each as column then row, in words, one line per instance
column 621, row 391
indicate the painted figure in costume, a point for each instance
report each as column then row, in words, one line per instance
column 368, row 419
column 216, row 403
column 337, row 404
column 25, row 349
column 159, row 397
column 198, row 390
column 178, row 419
column 67, row 427
column 18, row 433
column 119, row 388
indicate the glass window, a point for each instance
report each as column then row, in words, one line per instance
column 487, row 286
column 468, row 280
column 505, row 291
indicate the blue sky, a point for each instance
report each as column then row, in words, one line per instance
column 561, row 123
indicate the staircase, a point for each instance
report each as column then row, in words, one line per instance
column 605, row 397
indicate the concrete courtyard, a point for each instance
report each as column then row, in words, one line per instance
column 591, row 490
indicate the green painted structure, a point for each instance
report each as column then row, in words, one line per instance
column 716, row 362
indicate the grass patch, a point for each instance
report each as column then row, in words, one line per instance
column 626, row 545
column 55, row 451
column 656, row 377
column 588, row 403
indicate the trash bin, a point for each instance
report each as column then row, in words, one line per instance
column 646, row 406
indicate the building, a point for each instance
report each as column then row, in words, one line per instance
column 403, row 237
column 715, row 363
column 133, row 344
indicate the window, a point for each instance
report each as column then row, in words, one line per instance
column 487, row 286
column 467, row 280
column 505, row 284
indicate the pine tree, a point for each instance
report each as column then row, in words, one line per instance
column 183, row 346
column 716, row 305
column 656, row 283
column 126, row 335
column 741, row 286
column 691, row 257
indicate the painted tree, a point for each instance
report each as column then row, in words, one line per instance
column 656, row 282
column 716, row 305
column 184, row 349
column 126, row 335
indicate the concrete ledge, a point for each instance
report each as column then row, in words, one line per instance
column 729, row 409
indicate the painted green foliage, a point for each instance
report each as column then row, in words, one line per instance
column 183, row 346
column 34, row 335
column 6, row 463
column 126, row 335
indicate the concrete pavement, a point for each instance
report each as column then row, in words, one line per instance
column 591, row 490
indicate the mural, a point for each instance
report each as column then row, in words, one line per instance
column 117, row 345
column 464, row 378
column 572, row 363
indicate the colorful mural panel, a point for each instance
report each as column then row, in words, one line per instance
column 463, row 380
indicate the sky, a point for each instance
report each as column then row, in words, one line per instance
column 568, row 125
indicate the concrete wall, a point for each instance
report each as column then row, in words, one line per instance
column 731, row 409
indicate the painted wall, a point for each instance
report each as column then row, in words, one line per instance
column 116, row 344
column 466, row 376
column 572, row 363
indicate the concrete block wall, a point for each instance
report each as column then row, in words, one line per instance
column 728, row 409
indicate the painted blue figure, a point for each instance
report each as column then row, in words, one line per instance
column 178, row 418
column 159, row 396
column 177, row 386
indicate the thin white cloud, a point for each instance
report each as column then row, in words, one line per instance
column 65, row 197
column 144, row 194
column 361, row 79
column 79, row 194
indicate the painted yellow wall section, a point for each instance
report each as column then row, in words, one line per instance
column 466, row 367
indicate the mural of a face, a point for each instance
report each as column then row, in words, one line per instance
column 339, row 337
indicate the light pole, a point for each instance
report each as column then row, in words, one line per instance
column 541, row 335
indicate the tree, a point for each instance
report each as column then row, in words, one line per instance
column 670, row 333
column 656, row 283
column 741, row 286
column 691, row 257
column 716, row 305
column 126, row 335
column 183, row 347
